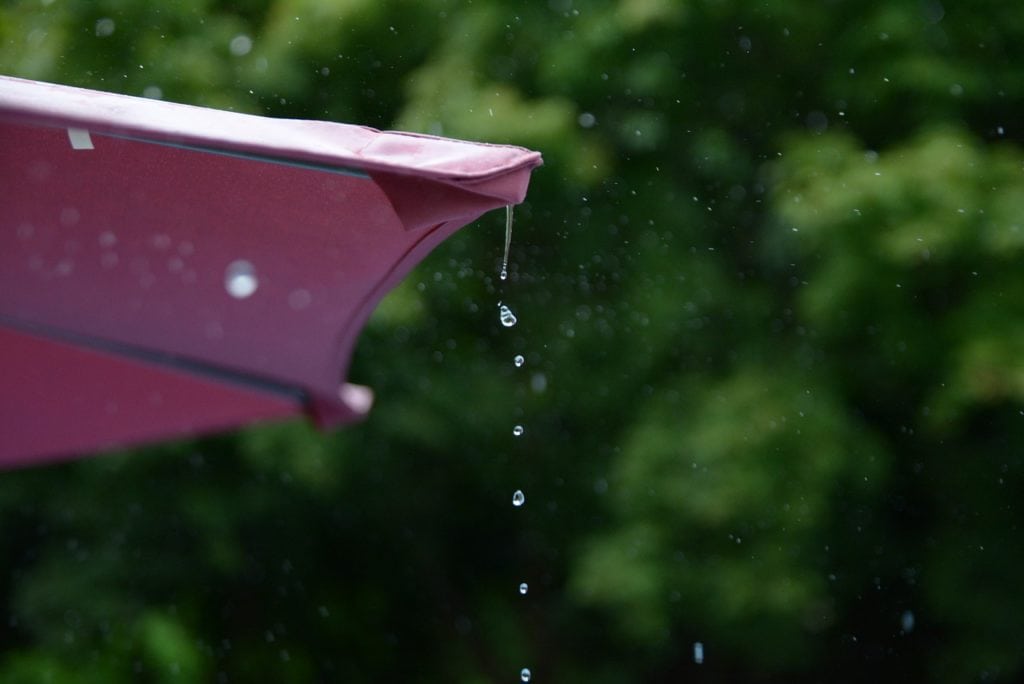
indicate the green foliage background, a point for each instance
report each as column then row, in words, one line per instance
column 771, row 298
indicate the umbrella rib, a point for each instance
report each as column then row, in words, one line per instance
column 237, row 154
column 151, row 356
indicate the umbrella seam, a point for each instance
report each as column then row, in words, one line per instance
column 158, row 358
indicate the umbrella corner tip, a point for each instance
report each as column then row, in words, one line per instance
column 358, row 398
column 350, row 404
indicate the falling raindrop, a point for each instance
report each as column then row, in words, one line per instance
column 508, row 241
column 508, row 319
column 698, row 652
column 907, row 621
column 518, row 431
column 518, row 499
column 519, row 360
column 525, row 674
column 240, row 279
column 105, row 27
column 523, row 588
column 241, row 45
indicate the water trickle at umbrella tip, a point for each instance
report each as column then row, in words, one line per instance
column 508, row 241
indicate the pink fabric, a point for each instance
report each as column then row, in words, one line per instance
column 60, row 396
column 115, row 259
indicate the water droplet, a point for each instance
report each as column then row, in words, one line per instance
column 105, row 27
column 524, row 674
column 240, row 279
column 518, row 499
column 698, row 652
column 300, row 299
column 907, row 621
column 518, row 431
column 508, row 319
column 241, row 45
column 69, row 216
column 523, row 588
column 519, row 360
column 504, row 273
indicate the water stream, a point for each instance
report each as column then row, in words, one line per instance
column 508, row 241
column 508, row 319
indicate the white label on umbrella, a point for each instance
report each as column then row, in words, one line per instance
column 80, row 139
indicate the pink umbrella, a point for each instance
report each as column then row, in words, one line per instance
column 169, row 270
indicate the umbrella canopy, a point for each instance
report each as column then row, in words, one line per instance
column 168, row 270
